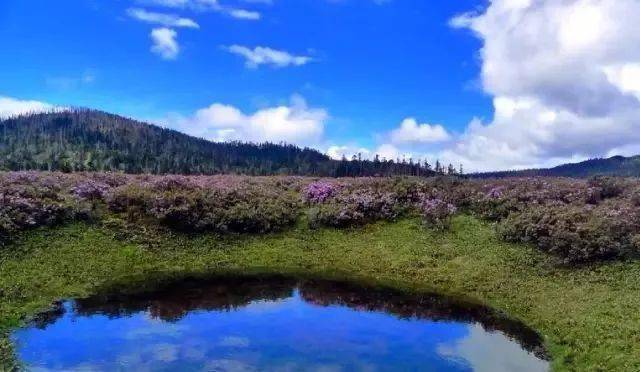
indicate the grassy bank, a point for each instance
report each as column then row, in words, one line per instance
column 589, row 315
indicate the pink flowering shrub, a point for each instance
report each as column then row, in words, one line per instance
column 200, row 206
column 91, row 190
column 173, row 183
column 575, row 220
column 319, row 191
column 574, row 233
column 28, row 200
column 437, row 212
column 357, row 207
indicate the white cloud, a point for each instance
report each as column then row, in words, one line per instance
column 337, row 152
column 244, row 14
column 267, row 56
column 10, row 107
column 412, row 132
column 565, row 77
column 295, row 123
column 389, row 152
column 168, row 20
column 491, row 352
column 409, row 141
column 209, row 5
column 625, row 76
column 165, row 42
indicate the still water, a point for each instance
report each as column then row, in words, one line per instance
column 275, row 324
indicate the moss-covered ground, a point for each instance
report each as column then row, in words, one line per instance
column 589, row 316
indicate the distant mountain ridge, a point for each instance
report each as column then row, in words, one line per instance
column 90, row 140
column 613, row 166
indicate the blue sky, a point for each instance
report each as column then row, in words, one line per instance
column 397, row 77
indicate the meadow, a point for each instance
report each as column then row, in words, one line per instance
column 558, row 254
column 576, row 221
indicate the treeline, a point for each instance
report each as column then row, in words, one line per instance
column 89, row 140
column 614, row 166
column 357, row 167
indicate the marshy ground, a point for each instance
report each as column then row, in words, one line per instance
column 589, row 315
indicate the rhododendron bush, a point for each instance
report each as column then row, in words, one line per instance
column 576, row 220
column 437, row 212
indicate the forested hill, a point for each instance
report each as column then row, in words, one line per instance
column 88, row 140
column 614, row 166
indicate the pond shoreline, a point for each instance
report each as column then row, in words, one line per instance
column 469, row 261
column 349, row 324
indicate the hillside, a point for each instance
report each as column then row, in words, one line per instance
column 89, row 140
column 614, row 166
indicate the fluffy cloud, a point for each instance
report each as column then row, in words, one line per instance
column 565, row 81
column 294, row 123
column 168, row 20
column 565, row 76
column 490, row 351
column 559, row 51
column 337, row 152
column 391, row 152
column 267, row 56
column 165, row 43
column 410, row 140
column 10, row 107
column 412, row 132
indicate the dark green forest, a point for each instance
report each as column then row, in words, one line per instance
column 89, row 140
column 613, row 166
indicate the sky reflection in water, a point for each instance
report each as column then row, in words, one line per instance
column 249, row 324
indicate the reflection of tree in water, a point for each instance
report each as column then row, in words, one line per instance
column 426, row 307
column 171, row 302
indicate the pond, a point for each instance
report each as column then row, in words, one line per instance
column 276, row 324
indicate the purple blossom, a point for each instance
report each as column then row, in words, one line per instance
column 91, row 190
column 437, row 212
column 319, row 192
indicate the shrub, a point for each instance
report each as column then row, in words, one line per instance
column 437, row 212
column 251, row 209
column 634, row 198
column 134, row 200
column 91, row 190
column 357, row 208
column 319, row 192
column 610, row 187
column 576, row 220
column 573, row 233
column 19, row 213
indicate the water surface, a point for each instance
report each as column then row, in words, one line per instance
column 276, row 324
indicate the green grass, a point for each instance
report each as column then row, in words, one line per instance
column 590, row 316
